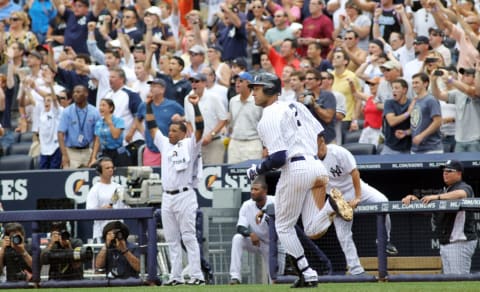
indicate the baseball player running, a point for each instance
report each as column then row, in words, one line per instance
column 252, row 229
column 288, row 130
column 179, row 200
column 344, row 175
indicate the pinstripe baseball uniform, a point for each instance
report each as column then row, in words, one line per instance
column 291, row 127
column 339, row 163
column 247, row 218
column 179, row 202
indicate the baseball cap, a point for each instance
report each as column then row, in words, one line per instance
column 453, row 164
column 240, row 62
column 245, row 76
column 199, row 77
column 463, row 71
column 84, row 2
column 216, row 48
column 391, row 65
column 41, row 48
column 296, row 26
column 436, row 30
column 139, row 47
column 35, row 54
column 154, row 10
column 197, row 49
column 158, row 81
column 374, row 80
column 268, row 18
column 422, row 40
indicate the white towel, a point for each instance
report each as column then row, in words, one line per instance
column 180, row 156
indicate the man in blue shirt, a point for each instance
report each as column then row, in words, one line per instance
column 6, row 8
column 76, row 130
column 164, row 110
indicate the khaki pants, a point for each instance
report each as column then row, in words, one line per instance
column 78, row 157
column 239, row 150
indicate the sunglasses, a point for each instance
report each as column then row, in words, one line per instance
column 258, row 7
column 449, row 170
column 348, row 39
column 61, row 97
column 310, row 78
column 195, row 81
column 14, row 19
column 194, row 54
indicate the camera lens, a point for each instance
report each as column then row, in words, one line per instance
column 17, row 239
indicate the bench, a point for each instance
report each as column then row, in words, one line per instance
column 405, row 265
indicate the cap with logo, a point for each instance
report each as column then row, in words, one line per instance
column 453, row 164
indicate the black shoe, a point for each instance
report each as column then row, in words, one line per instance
column 391, row 249
column 301, row 283
column 234, row 282
column 173, row 283
column 196, row 282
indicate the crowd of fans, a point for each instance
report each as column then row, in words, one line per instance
column 78, row 73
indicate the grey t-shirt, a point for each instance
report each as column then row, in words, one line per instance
column 421, row 117
column 467, row 119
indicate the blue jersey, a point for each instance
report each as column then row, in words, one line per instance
column 102, row 130
column 78, row 125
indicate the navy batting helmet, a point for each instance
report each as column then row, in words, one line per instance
column 270, row 82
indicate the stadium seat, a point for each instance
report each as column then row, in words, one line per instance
column 26, row 137
column 19, row 148
column 16, row 162
column 360, row 148
column 352, row 137
column 16, row 137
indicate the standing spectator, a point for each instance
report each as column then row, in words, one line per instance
column 143, row 77
column 6, row 8
column 425, row 118
column 103, row 195
column 372, row 116
column 41, row 12
column 19, row 31
column 327, row 83
column 467, row 108
column 212, row 88
column 280, row 32
column 314, row 54
column 165, row 110
column 396, row 115
column 197, row 61
column 385, row 18
column 317, row 28
column 76, row 130
column 322, row 103
column 421, row 47
column 392, row 70
column 436, row 36
column 252, row 229
column 77, row 19
column 354, row 20
column 423, row 19
column 179, row 201
column 109, row 132
column 455, row 231
column 233, row 37
column 215, row 117
column 257, row 9
column 222, row 70
column 244, row 143
column 349, row 44
column 49, row 119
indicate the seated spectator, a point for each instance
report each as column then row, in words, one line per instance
column 14, row 254
column 60, row 243
column 119, row 258
column 252, row 229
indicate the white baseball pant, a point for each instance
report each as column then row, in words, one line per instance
column 239, row 244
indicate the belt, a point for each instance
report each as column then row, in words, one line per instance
column 174, row 192
column 79, row 148
column 300, row 158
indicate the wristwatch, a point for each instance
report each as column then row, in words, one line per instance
column 213, row 133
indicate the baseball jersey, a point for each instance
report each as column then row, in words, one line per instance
column 339, row 163
column 178, row 161
column 291, row 127
column 247, row 218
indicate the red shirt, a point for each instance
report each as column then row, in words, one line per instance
column 319, row 28
column 372, row 115
column 279, row 62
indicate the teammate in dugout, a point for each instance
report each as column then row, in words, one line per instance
column 288, row 130
column 179, row 200
column 344, row 175
column 252, row 229
column 455, row 231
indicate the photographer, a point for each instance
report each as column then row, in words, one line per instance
column 61, row 247
column 119, row 258
column 14, row 254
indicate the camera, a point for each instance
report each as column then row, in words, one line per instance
column 117, row 235
column 307, row 97
column 65, row 235
column 438, row 73
column 16, row 239
column 62, row 256
column 431, row 60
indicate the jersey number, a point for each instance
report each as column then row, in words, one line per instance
column 294, row 109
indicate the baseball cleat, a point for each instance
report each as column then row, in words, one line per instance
column 173, row 283
column 301, row 283
column 391, row 249
column 196, row 282
column 341, row 207
column 234, row 282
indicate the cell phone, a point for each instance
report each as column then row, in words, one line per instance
column 438, row 73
